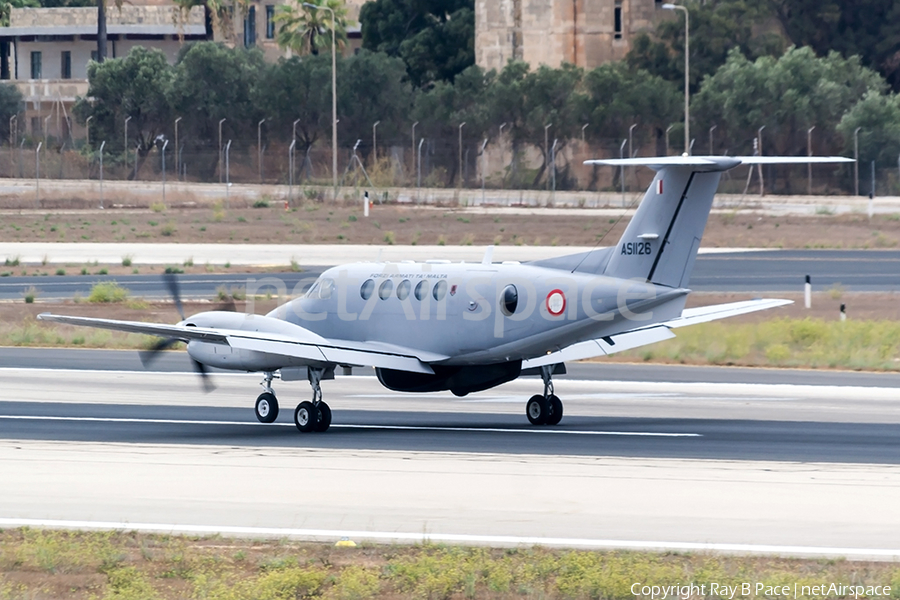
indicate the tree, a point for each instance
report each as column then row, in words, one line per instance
column 716, row 28
column 11, row 103
column 435, row 38
column 307, row 30
column 868, row 28
column 298, row 88
column 616, row 96
column 442, row 108
column 135, row 86
column 372, row 87
column 877, row 116
column 213, row 82
column 787, row 95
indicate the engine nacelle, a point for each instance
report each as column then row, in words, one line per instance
column 459, row 380
column 224, row 356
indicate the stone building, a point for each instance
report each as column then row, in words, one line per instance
column 46, row 53
column 586, row 33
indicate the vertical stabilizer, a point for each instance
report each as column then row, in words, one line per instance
column 662, row 239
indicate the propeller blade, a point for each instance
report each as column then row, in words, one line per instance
column 202, row 371
column 171, row 282
column 151, row 354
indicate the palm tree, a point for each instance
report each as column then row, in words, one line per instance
column 304, row 30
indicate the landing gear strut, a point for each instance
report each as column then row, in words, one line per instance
column 546, row 409
column 315, row 415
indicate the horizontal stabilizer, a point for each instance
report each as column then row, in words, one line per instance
column 714, row 163
column 704, row 314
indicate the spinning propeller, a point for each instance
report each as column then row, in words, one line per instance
column 152, row 353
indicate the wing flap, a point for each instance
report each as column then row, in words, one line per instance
column 602, row 347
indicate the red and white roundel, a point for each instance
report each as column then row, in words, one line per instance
column 556, row 303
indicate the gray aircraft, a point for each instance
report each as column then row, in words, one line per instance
column 467, row 327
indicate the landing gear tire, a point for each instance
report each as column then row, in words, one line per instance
column 266, row 408
column 537, row 410
column 324, row 421
column 306, row 416
column 556, row 411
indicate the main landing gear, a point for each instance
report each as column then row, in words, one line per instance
column 308, row 416
column 546, row 409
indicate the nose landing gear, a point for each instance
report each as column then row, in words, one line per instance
column 546, row 409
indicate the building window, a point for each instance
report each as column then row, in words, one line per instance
column 617, row 17
column 270, row 21
column 65, row 67
column 36, row 65
column 250, row 28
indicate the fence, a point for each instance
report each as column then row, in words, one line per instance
column 430, row 163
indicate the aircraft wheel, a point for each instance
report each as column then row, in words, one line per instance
column 324, row 421
column 556, row 411
column 266, row 408
column 537, row 410
column 306, row 415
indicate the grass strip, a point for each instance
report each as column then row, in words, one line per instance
column 131, row 566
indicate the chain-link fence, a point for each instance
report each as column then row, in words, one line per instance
column 427, row 163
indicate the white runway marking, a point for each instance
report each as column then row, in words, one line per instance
column 507, row 540
column 385, row 427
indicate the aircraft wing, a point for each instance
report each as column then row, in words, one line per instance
column 315, row 349
column 650, row 334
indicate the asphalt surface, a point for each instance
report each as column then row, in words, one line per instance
column 611, row 410
column 769, row 271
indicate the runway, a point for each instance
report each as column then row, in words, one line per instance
column 657, row 457
column 759, row 271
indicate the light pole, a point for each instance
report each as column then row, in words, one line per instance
column 259, row 152
column 13, row 121
column 101, row 171
column 762, row 186
column 502, row 125
column 87, row 130
column 227, row 174
column 809, row 165
column 291, row 172
column 413, row 148
column 547, row 147
column 711, row 129
column 163, row 151
column 856, row 161
column 622, row 169
column 333, row 95
column 419, row 168
column 177, row 151
column 46, row 126
column 37, row 173
column 375, row 142
column 125, row 146
column 459, row 179
column 687, row 74
column 294, row 141
column 583, row 127
column 222, row 120
column 668, row 129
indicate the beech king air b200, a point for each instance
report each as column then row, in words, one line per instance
column 468, row 327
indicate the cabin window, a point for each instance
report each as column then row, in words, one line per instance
column 509, row 300
column 384, row 291
column 365, row 291
column 403, row 289
column 440, row 290
column 421, row 290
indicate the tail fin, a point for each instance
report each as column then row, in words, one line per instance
column 661, row 242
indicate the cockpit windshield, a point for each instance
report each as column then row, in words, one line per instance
column 322, row 289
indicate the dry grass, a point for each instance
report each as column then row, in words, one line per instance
column 130, row 566
column 315, row 222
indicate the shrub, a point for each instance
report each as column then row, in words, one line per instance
column 30, row 294
column 107, row 292
column 158, row 207
column 126, row 260
column 261, row 204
